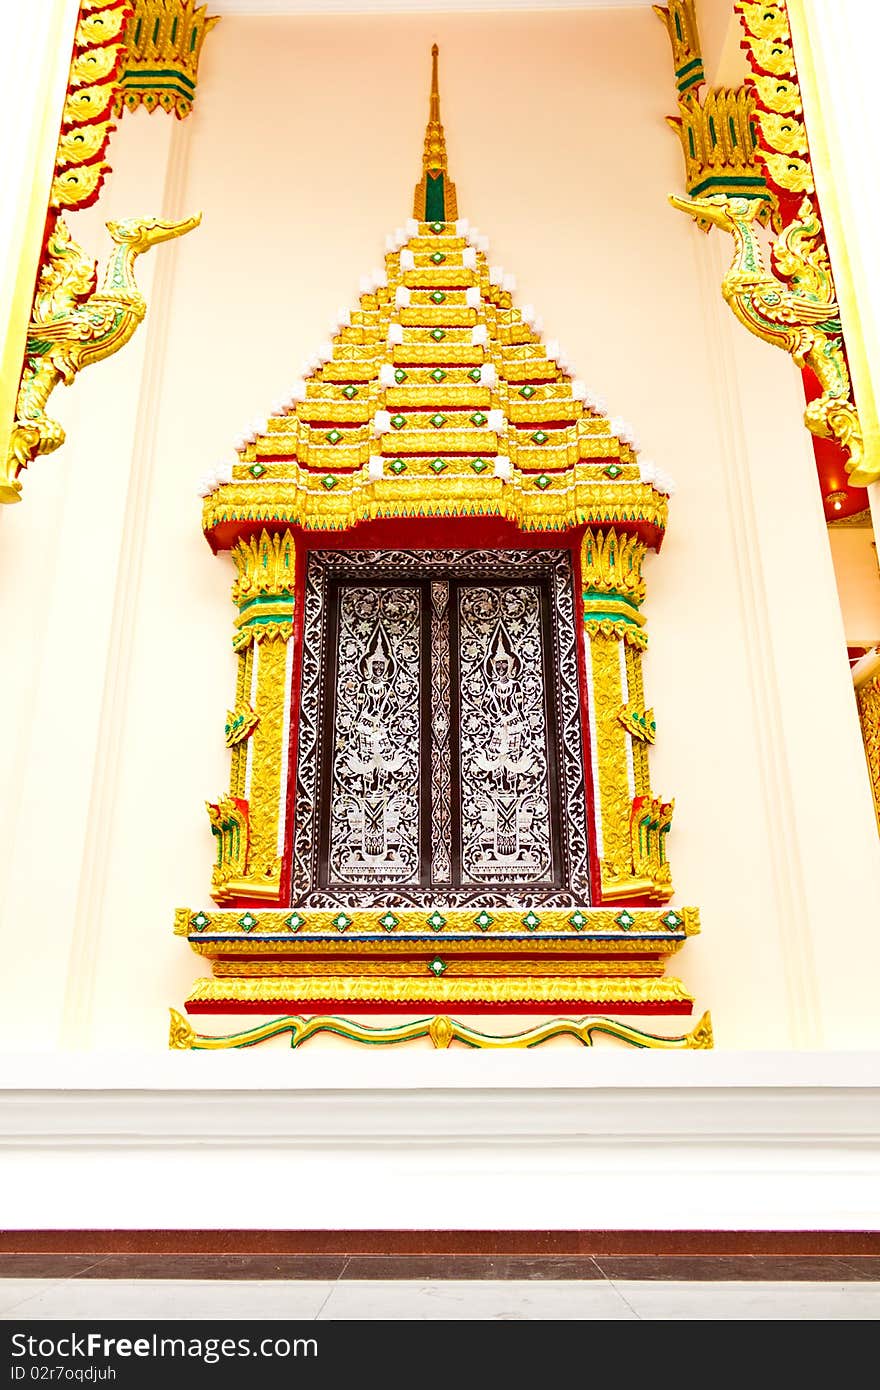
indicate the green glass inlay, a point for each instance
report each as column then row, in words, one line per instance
column 539, row 437
column 479, row 465
column 397, row 466
column 256, row 470
column 437, row 228
column 400, row 375
column 438, row 297
column 478, row 419
column 333, row 437
column 349, row 392
column 438, row 257
column 437, row 465
column 437, row 334
column 474, row 374
column 438, row 375
column 438, row 420
column 527, row 392
column 542, row 481
column 398, row 421
column 435, row 199
column 612, row 471
column 329, row 482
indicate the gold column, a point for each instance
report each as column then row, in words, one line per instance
column 247, row 821
column 868, row 700
column 633, row 823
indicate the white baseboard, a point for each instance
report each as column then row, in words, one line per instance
column 357, row 1140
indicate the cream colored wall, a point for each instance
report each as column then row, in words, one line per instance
column 302, row 153
column 854, row 553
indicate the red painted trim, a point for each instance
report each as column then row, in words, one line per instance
column 589, row 787
column 305, row 1008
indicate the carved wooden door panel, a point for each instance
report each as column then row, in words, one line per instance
column 438, row 757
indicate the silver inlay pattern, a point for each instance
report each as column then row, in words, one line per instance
column 374, row 794
column 505, row 792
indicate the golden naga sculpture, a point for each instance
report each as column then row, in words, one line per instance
column 795, row 310
column 74, row 324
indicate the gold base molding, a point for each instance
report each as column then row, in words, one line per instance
column 441, row 1030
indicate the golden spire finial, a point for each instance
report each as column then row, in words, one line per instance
column 435, row 199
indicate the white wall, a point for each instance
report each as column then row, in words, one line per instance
column 302, row 152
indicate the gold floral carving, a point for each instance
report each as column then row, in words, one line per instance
column 611, row 751
column 440, row 1030
column 611, row 563
column 240, row 724
column 489, row 989
column 868, row 698
column 163, row 46
column 715, row 130
column 229, row 825
column 266, row 564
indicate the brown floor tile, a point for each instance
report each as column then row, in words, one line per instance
column 862, row 1266
column 37, row 1266
column 217, row 1267
column 787, row 1268
column 471, row 1267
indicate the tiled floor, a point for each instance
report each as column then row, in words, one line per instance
column 597, row 1298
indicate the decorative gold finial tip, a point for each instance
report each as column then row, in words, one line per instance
column 434, row 50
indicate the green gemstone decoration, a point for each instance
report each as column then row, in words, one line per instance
column 438, row 335
column 438, row 421
column 542, row 481
column 247, row 922
column 436, row 921
column 438, row 297
column 437, row 465
column 438, row 375
column 539, row 437
column 333, row 437
column 398, row 421
column 479, row 465
column 625, row 920
column 531, row 921
column 329, row 482
column 397, row 466
column 437, row 967
column 256, row 470
column 388, row 921
column 474, row 374
column 671, row 920
column 200, row 921
column 349, row 392
column 527, row 392
column 438, row 257
column 612, row 471
column 484, row 920
column 294, row 921
column 478, row 419
column 400, row 375
column 341, row 922
column 437, row 228
column 577, row 920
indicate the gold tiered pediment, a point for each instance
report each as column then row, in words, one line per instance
column 438, row 396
